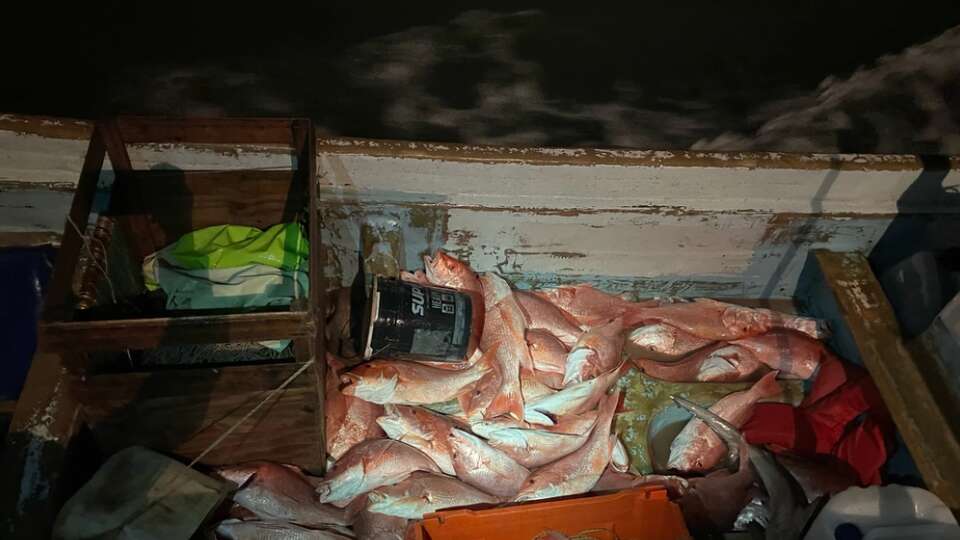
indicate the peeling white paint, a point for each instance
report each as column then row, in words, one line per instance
column 864, row 300
column 693, row 188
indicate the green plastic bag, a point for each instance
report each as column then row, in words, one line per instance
column 230, row 246
column 282, row 246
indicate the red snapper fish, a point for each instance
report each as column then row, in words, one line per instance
column 553, row 381
column 661, row 341
column 720, row 321
column 794, row 355
column 484, row 467
column 543, row 315
column 479, row 397
column 574, row 399
column 421, row 429
column 538, row 384
column 410, row 383
column 548, row 353
column 369, row 465
column 575, row 424
column 532, row 446
column 272, row 491
column 613, row 480
column 423, row 493
column 240, row 474
column 717, row 363
column 597, row 351
column 505, row 330
column 453, row 366
column 697, row 448
column 373, row 526
column 588, row 305
column 578, row 472
column 447, row 271
column 349, row 420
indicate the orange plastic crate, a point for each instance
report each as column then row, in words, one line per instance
column 638, row 514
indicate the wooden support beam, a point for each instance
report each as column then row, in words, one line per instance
column 924, row 418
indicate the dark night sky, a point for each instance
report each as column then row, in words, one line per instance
column 75, row 60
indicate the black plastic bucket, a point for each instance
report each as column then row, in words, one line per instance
column 414, row 321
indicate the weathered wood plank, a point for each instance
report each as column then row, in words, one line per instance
column 33, row 480
column 743, row 254
column 146, row 333
column 925, row 420
column 531, row 155
column 306, row 146
column 183, row 411
column 730, row 186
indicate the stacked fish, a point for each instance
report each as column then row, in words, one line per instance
column 530, row 415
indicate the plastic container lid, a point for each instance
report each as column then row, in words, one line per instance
column 884, row 512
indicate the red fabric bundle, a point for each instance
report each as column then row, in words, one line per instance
column 843, row 415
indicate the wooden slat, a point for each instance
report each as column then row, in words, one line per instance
column 148, row 333
column 307, row 168
column 267, row 131
column 173, row 203
column 59, row 301
column 182, row 411
column 34, row 481
column 925, row 420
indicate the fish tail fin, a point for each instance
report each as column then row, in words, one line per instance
column 508, row 401
column 767, row 386
column 814, row 328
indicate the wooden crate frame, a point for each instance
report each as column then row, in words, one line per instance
column 59, row 331
column 66, row 408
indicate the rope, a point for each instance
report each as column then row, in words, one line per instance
column 93, row 257
column 272, row 393
column 104, row 269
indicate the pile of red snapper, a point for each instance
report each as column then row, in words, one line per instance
column 530, row 415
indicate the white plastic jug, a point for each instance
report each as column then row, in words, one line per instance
column 882, row 513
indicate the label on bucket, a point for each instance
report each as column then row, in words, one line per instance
column 409, row 319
